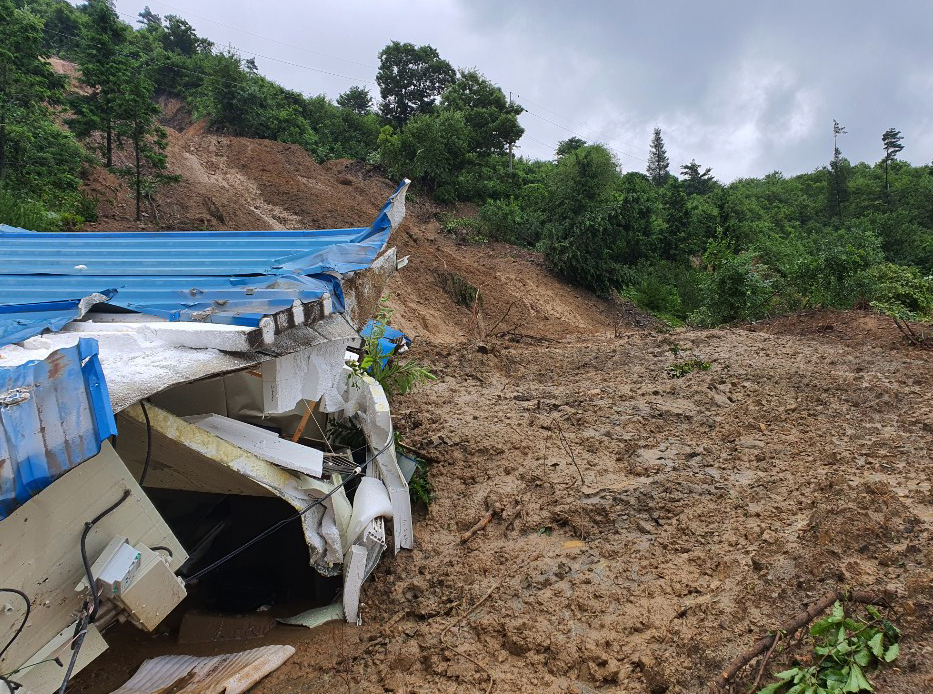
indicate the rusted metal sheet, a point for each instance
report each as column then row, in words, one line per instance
column 233, row 673
column 54, row 413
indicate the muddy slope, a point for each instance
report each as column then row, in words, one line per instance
column 646, row 529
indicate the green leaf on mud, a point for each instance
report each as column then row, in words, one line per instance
column 892, row 652
column 873, row 611
column 857, row 681
column 771, row 688
column 788, row 674
column 862, row 657
column 875, row 645
column 838, row 614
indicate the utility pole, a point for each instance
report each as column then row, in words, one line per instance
column 510, row 144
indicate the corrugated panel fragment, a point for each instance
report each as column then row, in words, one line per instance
column 231, row 277
column 53, row 415
column 233, row 673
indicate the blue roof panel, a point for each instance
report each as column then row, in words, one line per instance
column 54, row 413
column 217, row 276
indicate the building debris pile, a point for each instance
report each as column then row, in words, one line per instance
column 155, row 385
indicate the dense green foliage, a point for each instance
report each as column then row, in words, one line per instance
column 685, row 247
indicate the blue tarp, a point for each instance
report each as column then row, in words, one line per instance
column 234, row 277
column 391, row 339
column 54, row 413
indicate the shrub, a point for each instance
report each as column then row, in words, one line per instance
column 19, row 212
column 738, row 288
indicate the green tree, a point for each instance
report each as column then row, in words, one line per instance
column 149, row 19
column 673, row 238
column 491, row 118
column 571, row 144
column 838, row 167
column 658, row 163
column 696, row 181
column 891, row 141
column 26, row 79
column 138, row 124
column 431, row 149
column 356, row 99
column 179, row 37
column 105, row 68
column 411, row 79
column 62, row 26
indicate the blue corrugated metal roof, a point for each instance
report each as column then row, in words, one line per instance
column 53, row 415
column 218, row 276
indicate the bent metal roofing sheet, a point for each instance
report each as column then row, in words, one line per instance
column 54, row 413
column 231, row 277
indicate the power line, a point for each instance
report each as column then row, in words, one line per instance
column 572, row 132
column 261, row 36
column 285, row 62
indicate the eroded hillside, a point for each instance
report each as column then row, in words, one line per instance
column 645, row 529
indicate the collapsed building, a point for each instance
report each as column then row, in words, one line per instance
column 169, row 401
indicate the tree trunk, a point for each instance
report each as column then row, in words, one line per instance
column 109, row 144
column 138, row 179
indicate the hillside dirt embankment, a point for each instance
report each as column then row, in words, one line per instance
column 645, row 530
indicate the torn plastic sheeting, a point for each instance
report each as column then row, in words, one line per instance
column 54, row 413
column 233, row 673
column 316, row 617
column 391, row 340
column 365, row 400
column 371, row 501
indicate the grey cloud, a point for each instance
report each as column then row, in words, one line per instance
column 745, row 87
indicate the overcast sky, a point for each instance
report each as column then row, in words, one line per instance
column 745, row 87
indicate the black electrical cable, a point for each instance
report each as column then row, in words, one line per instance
column 163, row 548
column 22, row 624
column 76, row 648
column 285, row 521
column 92, row 615
column 90, row 612
column 145, row 472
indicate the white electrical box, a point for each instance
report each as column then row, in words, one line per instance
column 138, row 581
column 154, row 591
column 118, row 574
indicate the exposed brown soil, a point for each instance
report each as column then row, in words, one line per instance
column 646, row 529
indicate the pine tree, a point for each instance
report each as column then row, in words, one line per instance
column 891, row 140
column 697, row 182
column 838, row 185
column 658, row 163
column 356, row 99
column 104, row 67
column 137, row 123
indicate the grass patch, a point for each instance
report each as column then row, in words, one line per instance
column 458, row 288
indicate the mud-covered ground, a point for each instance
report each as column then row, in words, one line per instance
column 712, row 508
column 646, row 530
